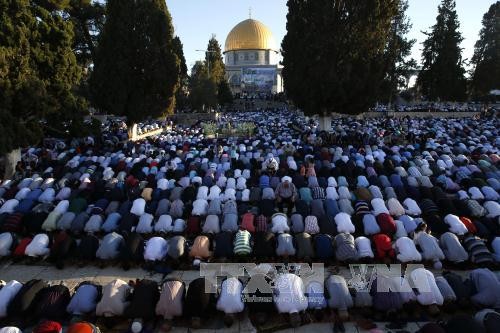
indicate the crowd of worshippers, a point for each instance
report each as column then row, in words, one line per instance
column 434, row 107
column 300, row 301
column 280, row 194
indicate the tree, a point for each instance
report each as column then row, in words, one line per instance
column 207, row 84
column 486, row 59
column 398, row 49
column 215, row 62
column 224, row 94
column 38, row 73
column 443, row 75
column 136, row 70
column 181, row 94
column 333, row 53
column 213, row 57
column 203, row 90
column 88, row 19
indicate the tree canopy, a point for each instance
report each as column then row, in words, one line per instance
column 88, row 19
column 399, row 66
column 181, row 96
column 215, row 62
column 38, row 72
column 202, row 89
column 208, row 85
column 213, row 57
column 443, row 75
column 334, row 53
column 486, row 59
column 136, row 70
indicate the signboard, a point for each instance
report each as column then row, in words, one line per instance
column 258, row 79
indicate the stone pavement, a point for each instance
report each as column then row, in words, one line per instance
column 72, row 276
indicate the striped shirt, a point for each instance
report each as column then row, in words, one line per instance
column 478, row 251
column 242, row 243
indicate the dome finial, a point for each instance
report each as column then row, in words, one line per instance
column 250, row 12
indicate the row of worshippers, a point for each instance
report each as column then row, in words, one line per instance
column 142, row 301
column 383, row 239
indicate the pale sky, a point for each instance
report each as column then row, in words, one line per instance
column 196, row 20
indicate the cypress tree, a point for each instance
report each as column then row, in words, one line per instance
column 213, row 59
column 486, row 59
column 224, row 94
column 181, row 94
column 38, row 72
column 203, row 90
column 398, row 49
column 136, row 71
column 443, row 75
column 88, row 19
column 333, row 53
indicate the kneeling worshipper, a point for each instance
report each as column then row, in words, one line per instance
column 109, row 248
column 259, row 298
column 84, row 300
column 142, row 303
column 156, row 249
column 289, row 297
column 171, row 301
column 429, row 246
column 453, row 250
column 51, row 302
column 406, row 250
column 428, row 293
column 338, row 296
column 230, row 299
column 7, row 294
column 489, row 319
column 24, row 301
column 199, row 301
column 486, row 287
column 390, row 294
column 345, row 250
column 114, row 300
column 200, row 249
column 38, row 247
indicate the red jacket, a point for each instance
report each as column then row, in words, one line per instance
column 21, row 248
column 383, row 246
column 386, row 224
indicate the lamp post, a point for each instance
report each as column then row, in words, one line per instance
column 208, row 58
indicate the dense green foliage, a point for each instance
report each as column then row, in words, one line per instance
column 202, row 90
column 38, row 72
column 443, row 75
column 136, row 69
column 88, row 19
column 208, row 85
column 486, row 59
column 334, row 53
column 181, row 96
column 399, row 66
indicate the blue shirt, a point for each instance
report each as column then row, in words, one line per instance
column 84, row 300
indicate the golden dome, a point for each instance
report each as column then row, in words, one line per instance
column 250, row 35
